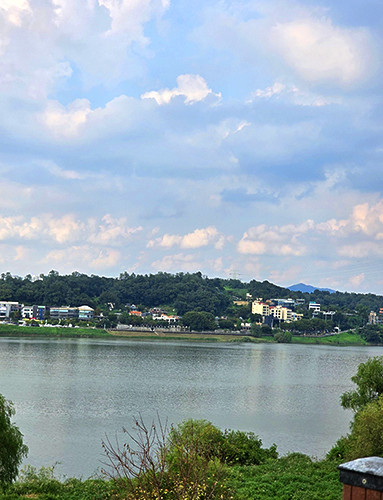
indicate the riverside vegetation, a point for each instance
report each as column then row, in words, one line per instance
column 195, row 460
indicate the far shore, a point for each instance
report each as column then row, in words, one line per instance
column 341, row 339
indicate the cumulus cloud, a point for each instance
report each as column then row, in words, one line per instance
column 129, row 16
column 96, row 36
column 196, row 239
column 84, row 256
column 14, row 9
column 66, row 121
column 365, row 219
column 320, row 51
column 176, row 263
column 193, row 87
column 68, row 228
column 284, row 240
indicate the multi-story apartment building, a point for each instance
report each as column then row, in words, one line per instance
column 281, row 313
column 261, row 308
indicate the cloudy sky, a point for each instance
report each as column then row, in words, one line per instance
column 236, row 138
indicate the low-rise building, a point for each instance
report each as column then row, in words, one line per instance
column 64, row 312
column 85, row 313
column 165, row 317
column 314, row 307
column 34, row 312
column 6, row 308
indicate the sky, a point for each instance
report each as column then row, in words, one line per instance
column 237, row 138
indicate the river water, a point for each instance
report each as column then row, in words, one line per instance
column 70, row 393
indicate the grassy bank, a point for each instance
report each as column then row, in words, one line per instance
column 294, row 477
column 343, row 338
column 29, row 331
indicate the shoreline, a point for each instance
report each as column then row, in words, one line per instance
column 342, row 339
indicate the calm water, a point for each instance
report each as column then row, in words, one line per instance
column 70, row 393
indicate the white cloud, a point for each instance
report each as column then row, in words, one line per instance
column 196, row 239
column 86, row 256
column 193, row 87
column 66, row 122
column 111, row 230
column 129, row 16
column 285, row 276
column 275, row 240
column 21, row 253
column 68, row 228
column 14, row 9
column 294, row 95
column 176, row 263
column 320, row 51
column 276, row 89
column 65, row 174
column 365, row 219
column 357, row 280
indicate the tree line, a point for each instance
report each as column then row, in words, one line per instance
column 183, row 292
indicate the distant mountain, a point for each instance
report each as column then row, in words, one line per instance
column 301, row 287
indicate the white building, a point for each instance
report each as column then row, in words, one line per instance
column 6, row 308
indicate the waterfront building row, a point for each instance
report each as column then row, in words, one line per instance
column 39, row 312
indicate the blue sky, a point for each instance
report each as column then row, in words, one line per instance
column 234, row 138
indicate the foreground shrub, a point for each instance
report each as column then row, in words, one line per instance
column 245, row 448
column 340, row 450
column 366, row 437
column 12, row 447
column 156, row 465
column 294, row 477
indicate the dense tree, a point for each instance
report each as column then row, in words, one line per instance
column 12, row 447
column 369, row 382
column 366, row 437
column 199, row 321
column 372, row 333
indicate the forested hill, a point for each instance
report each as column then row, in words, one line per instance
column 182, row 291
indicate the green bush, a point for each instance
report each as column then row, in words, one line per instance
column 369, row 382
column 207, row 441
column 340, row 450
column 198, row 437
column 366, row 437
column 283, row 337
column 245, row 448
column 12, row 447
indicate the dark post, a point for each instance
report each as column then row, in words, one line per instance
column 362, row 479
